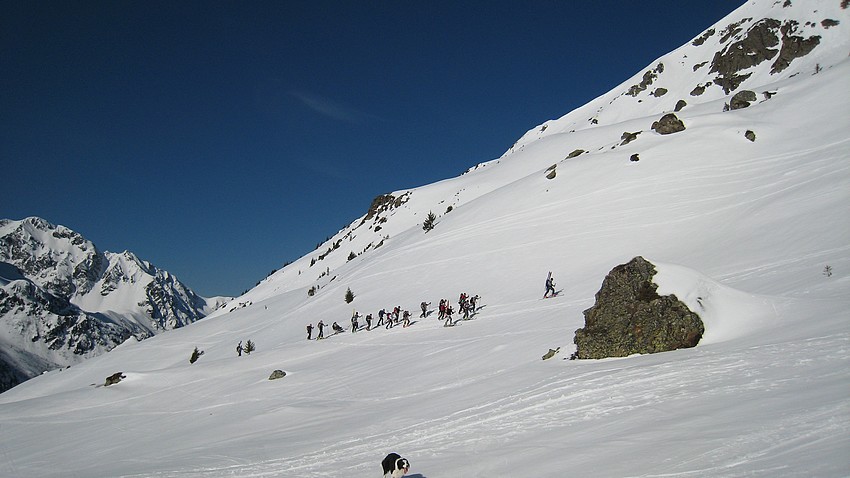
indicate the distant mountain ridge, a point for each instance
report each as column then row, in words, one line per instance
column 63, row 300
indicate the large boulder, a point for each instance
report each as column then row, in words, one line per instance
column 668, row 124
column 629, row 317
column 742, row 99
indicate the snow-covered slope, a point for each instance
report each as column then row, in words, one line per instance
column 754, row 234
column 62, row 300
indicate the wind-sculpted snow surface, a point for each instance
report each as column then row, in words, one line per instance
column 741, row 231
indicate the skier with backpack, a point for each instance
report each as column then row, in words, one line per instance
column 354, row 322
column 449, row 322
column 550, row 286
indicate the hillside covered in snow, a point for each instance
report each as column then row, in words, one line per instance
column 742, row 204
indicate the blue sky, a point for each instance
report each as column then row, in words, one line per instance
column 219, row 140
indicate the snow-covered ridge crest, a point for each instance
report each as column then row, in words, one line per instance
column 64, row 300
column 761, row 43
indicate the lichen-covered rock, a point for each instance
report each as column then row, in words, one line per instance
column 277, row 374
column 629, row 317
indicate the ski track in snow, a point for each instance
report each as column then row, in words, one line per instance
column 580, row 395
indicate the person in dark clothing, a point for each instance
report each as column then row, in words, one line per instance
column 337, row 328
column 424, row 307
column 309, row 331
column 239, row 349
column 368, row 321
column 321, row 326
column 354, row 322
column 449, row 321
column 550, row 286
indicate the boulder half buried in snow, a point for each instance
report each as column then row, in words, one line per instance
column 630, row 317
column 668, row 124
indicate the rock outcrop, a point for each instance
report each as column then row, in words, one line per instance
column 742, row 99
column 629, row 317
column 668, row 124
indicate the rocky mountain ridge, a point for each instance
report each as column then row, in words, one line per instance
column 62, row 299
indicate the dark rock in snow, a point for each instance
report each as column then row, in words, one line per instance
column 668, row 124
column 627, row 137
column 698, row 90
column 759, row 44
column 629, row 317
column 742, row 99
column 679, row 105
column 277, row 374
column 767, row 39
column 114, row 378
column 551, row 353
column 793, row 47
column 750, row 135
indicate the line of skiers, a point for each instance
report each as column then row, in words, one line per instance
column 466, row 304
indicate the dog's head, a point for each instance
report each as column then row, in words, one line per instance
column 401, row 465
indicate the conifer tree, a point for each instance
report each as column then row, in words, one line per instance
column 429, row 221
column 195, row 355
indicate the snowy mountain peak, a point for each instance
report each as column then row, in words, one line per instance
column 62, row 299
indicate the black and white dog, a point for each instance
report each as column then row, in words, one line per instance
column 395, row 466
